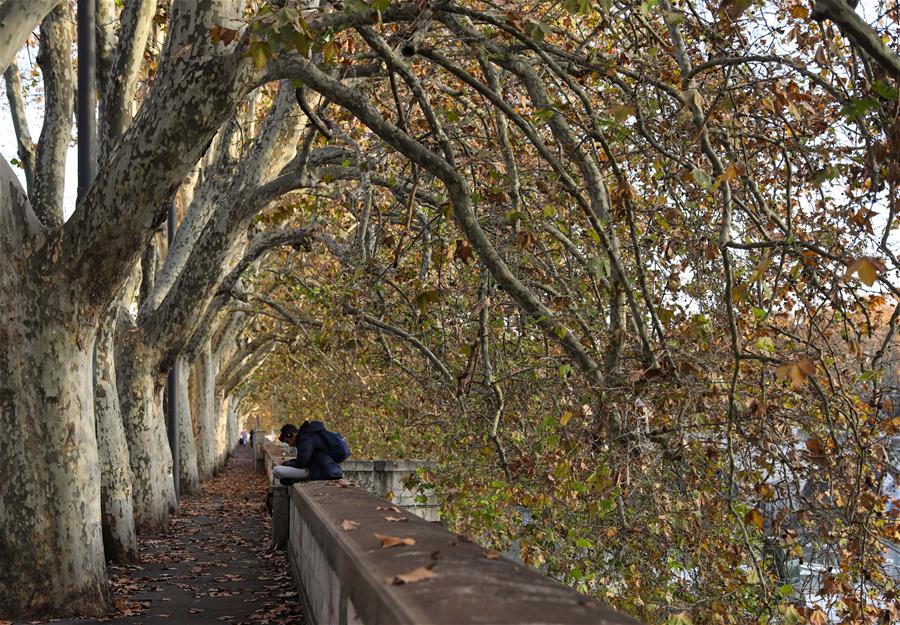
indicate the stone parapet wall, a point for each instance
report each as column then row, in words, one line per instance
column 384, row 478
column 388, row 479
column 346, row 577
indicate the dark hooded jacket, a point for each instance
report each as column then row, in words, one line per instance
column 311, row 453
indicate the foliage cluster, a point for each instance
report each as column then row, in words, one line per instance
column 705, row 197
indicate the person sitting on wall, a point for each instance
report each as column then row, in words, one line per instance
column 313, row 461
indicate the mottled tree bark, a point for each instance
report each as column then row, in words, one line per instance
column 50, row 541
column 140, row 396
column 119, row 538
column 189, row 476
column 205, row 414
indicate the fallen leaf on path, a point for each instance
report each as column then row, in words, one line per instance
column 491, row 554
column 348, row 525
column 396, row 519
column 393, row 541
column 420, row 574
column 391, row 508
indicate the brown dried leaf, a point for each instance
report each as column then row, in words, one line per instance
column 807, row 366
column 420, row 574
column 348, row 525
column 491, row 554
column 393, row 541
column 396, row 519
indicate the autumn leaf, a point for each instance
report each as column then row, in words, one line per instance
column 491, row 555
column 420, row 574
column 867, row 268
column 796, row 372
column 754, row 517
column 817, row 450
column 818, row 618
column 730, row 174
column 807, row 366
column 224, row 35
column 425, row 299
column 349, row 525
column 393, row 541
column 682, row 618
column 464, row 252
column 396, row 519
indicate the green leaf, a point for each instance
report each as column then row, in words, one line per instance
column 598, row 265
column 884, row 90
column 858, row 108
column 621, row 112
column 702, row 178
column 543, row 115
column 425, row 299
column 258, row 51
column 765, row 344
column 537, row 31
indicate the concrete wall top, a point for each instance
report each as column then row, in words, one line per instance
column 385, row 465
column 467, row 588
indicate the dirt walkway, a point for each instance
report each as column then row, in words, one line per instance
column 213, row 565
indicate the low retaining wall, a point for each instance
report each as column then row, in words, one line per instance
column 388, row 479
column 382, row 478
column 345, row 576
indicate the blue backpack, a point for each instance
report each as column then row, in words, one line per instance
column 335, row 446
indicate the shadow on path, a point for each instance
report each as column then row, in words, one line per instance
column 213, row 565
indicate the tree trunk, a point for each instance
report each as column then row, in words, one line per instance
column 233, row 432
column 205, row 414
column 51, row 550
column 119, row 539
column 220, row 412
column 140, row 395
column 187, row 450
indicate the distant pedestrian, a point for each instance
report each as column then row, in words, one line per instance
column 243, row 438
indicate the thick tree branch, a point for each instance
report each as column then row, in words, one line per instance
column 107, row 20
column 406, row 336
column 17, row 19
column 55, row 60
column 25, row 145
column 115, row 114
column 196, row 89
column 172, row 323
column 247, row 359
column 460, row 199
column 859, row 33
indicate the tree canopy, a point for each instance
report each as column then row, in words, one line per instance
column 627, row 270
